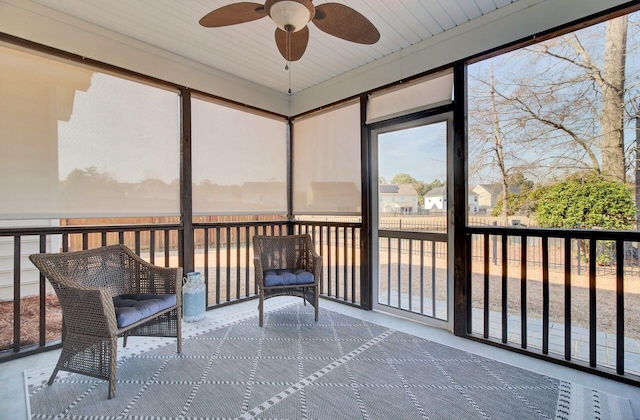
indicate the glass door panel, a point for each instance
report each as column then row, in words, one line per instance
column 411, row 238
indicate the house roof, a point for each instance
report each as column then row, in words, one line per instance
column 388, row 189
column 436, row 192
column 397, row 189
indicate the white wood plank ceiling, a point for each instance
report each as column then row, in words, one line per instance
column 248, row 50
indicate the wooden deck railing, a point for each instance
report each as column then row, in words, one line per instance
column 223, row 253
column 413, row 272
column 574, row 312
column 339, row 245
column 518, row 298
column 24, row 241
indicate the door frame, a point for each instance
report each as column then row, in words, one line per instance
column 407, row 122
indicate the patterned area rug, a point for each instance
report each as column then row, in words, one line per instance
column 294, row 368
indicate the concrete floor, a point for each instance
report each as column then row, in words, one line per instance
column 12, row 384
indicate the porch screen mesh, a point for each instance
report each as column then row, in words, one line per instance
column 432, row 91
column 239, row 161
column 326, row 162
column 79, row 143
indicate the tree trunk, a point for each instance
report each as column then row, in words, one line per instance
column 497, row 139
column 613, row 164
column 637, row 171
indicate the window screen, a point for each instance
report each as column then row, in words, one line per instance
column 326, row 162
column 80, row 143
column 239, row 161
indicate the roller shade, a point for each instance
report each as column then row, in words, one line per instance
column 239, row 161
column 432, row 91
column 80, row 143
column 326, row 162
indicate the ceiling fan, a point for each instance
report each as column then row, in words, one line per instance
column 291, row 18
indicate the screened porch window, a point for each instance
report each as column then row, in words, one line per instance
column 239, row 161
column 326, row 162
column 81, row 143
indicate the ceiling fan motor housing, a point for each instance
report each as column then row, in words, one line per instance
column 290, row 15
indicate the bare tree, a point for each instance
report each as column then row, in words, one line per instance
column 497, row 141
column 611, row 81
column 637, row 170
column 569, row 99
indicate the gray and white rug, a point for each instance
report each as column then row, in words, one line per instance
column 294, row 368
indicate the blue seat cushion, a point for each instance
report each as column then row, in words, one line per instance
column 132, row 308
column 287, row 277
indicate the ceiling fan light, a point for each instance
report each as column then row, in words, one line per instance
column 288, row 14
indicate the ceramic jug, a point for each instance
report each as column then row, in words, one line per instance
column 193, row 297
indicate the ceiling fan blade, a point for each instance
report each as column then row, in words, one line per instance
column 233, row 14
column 298, row 41
column 342, row 21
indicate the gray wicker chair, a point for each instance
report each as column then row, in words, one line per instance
column 287, row 266
column 90, row 286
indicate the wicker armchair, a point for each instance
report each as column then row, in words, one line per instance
column 286, row 265
column 105, row 293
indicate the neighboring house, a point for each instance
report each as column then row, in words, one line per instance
column 401, row 198
column 29, row 275
column 488, row 195
column 474, row 201
column 436, row 199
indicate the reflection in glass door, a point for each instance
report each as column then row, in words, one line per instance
column 410, row 215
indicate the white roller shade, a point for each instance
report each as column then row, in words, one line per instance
column 79, row 143
column 326, row 163
column 239, row 161
column 432, row 91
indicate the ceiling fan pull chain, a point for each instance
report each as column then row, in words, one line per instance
column 288, row 66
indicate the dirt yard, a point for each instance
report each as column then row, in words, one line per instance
column 30, row 321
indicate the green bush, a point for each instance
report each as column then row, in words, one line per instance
column 587, row 201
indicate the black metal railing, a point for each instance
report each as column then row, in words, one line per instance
column 555, row 253
column 576, row 311
column 223, row 251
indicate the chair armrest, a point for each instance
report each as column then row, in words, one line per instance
column 259, row 272
column 150, row 278
column 317, row 267
column 88, row 311
column 315, row 264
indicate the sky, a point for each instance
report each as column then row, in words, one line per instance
column 575, row 103
column 420, row 152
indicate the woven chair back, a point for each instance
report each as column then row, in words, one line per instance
column 283, row 252
column 108, row 267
